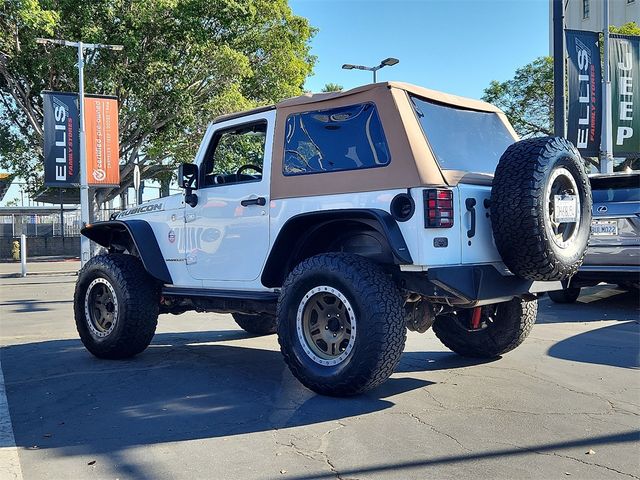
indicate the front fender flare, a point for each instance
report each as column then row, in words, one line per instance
column 143, row 238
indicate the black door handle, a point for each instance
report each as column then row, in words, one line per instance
column 261, row 201
column 470, row 203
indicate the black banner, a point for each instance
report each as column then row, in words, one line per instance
column 585, row 91
column 61, row 139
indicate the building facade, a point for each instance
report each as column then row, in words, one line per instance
column 589, row 15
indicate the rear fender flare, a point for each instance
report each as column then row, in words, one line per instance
column 297, row 230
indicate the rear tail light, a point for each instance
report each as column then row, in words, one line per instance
column 438, row 208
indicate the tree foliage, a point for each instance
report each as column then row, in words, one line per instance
column 527, row 98
column 184, row 62
column 629, row 28
column 332, row 87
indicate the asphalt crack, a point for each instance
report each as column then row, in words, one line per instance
column 434, row 429
column 568, row 457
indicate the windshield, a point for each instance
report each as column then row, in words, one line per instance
column 463, row 139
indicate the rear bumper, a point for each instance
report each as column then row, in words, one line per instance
column 473, row 284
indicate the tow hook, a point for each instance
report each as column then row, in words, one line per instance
column 476, row 316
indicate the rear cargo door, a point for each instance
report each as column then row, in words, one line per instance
column 475, row 225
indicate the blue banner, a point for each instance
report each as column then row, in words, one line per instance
column 61, row 139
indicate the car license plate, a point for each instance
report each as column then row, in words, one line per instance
column 604, row 227
column 565, row 208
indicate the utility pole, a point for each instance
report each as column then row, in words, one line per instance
column 606, row 153
column 85, row 243
column 558, row 69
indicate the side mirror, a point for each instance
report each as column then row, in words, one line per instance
column 188, row 179
column 188, row 176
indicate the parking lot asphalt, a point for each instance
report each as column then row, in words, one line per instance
column 207, row 400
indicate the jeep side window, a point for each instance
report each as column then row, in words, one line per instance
column 344, row 138
column 236, row 155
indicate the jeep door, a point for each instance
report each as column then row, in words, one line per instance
column 228, row 229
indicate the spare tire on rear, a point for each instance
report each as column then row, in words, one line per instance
column 541, row 208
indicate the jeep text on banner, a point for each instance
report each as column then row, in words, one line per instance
column 624, row 62
column 61, row 140
column 585, row 91
column 101, row 126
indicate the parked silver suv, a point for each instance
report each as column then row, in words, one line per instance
column 613, row 255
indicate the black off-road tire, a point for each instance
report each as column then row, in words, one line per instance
column 512, row 323
column 568, row 295
column 379, row 318
column 256, row 324
column 518, row 203
column 138, row 299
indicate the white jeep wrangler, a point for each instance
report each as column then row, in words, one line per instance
column 340, row 220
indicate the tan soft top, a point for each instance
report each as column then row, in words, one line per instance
column 426, row 93
column 412, row 161
column 436, row 96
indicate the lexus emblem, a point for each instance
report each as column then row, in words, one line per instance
column 602, row 209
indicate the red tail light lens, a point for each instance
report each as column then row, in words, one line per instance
column 438, row 208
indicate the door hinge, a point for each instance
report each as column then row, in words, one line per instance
column 191, row 259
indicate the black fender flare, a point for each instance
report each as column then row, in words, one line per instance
column 298, row 228
column 143, row 238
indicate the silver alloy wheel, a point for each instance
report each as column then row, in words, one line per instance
column 101, row 307
column 561, row 182
column 326, row 326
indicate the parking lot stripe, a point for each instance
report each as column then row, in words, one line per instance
column 9, row 462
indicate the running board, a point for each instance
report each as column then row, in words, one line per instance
column 219, row 294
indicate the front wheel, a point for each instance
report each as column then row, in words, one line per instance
column 116, row 306
column 488, row 331
column 341, row 324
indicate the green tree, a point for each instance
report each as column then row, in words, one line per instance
column 629, row 28
column 184, row 62
column 527, row 98
column 332, row 87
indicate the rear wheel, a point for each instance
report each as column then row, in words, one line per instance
column 341, row 324
column 116, row 306
column 568, row 295
column 256, row 324
column 488, row 331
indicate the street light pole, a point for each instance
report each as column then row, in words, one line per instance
column 387, row 62
column 606, row 155
column 85, row 243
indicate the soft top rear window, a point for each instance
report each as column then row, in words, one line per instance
column 462, row 139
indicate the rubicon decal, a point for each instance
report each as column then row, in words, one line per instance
column 154, row 207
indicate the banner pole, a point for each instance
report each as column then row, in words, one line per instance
column 85, row 246
column 606, row 156
column 558, row 70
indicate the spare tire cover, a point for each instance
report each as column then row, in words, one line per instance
column 541, row 208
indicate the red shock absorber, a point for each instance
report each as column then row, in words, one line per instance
column 476, row 315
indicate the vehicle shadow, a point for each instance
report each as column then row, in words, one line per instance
column 617, row 345
column 32, row 305
column 595, row 304
column 184, row 386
